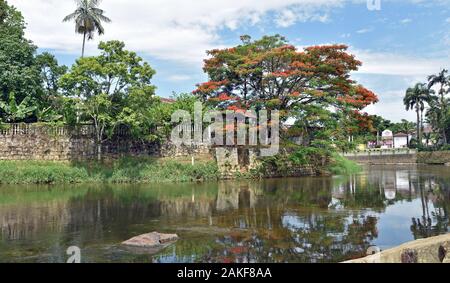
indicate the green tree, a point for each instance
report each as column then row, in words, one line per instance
column 442, row 81
column 50, row 109
column 88, row 20
column 3, row 8
column 272, row 74
column 416, row 97
column 115, row 90
column 51, row 72
column 19, row 74
column 162, row 112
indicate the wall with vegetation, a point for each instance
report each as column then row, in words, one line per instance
column 436, row 157
column 41, row 142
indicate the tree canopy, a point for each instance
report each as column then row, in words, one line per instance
column 269, row 73
column 116, row 90
column 19, row 74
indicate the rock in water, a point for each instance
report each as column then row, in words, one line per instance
column 151, row 240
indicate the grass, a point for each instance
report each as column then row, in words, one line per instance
column 130, row 170
column 340, row 165
column 126, row 170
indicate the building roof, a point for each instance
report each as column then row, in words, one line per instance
column 387, row 133
column 167, row 100
column 428, row 130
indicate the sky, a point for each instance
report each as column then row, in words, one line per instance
column 400, row 44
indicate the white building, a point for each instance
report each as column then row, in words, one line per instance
column 401, row 140
column 387, row 139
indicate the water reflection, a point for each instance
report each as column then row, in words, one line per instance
column 281, row 220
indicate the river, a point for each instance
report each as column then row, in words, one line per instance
column 321, row 219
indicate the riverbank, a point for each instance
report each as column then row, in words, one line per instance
column 434, row 157
column 126, row 170
column 143, row 170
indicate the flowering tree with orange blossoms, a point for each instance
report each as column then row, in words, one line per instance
column 271, row 74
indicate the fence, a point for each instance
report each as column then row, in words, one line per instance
column 380, row 152
column 85, row 130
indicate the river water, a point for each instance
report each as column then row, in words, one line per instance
column 322, row 219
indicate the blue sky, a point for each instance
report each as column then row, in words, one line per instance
column 401, row 44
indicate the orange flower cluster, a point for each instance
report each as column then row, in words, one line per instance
column 209, row 87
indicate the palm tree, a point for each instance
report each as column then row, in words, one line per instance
column 416, row 97
column 88, row 19
column 442, row 80
column 406, row 127
column 427, row 137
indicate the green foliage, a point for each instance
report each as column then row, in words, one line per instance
column 51, row 72
column 280, row 163
column 19, row 74
column 3, row 10
column 13, row 112
column 34, row 172
column 309, row 156
column 162, row 112
column 438, row 114
column 149, row 171
column 340, row 165
column 416, row 98
column 115, row 90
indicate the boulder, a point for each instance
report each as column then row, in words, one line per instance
column 151, row 240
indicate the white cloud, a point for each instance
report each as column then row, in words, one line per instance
column 178, row 78
column 389, row 75
column 364, row 30
column 304, row 13
column 394, row 111
column 286, row 19
column 384, row 63
column 166, row 29
column 406, row 21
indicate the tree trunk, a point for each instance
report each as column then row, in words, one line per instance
column 422, row 127
column 99, row 152
column 418, row 134
column 443, row 116
column 84, row 43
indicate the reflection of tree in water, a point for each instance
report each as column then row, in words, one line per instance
column 290, row 222
column 434, row 192
column 314, row 238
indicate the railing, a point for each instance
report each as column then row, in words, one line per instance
column 43, row 129
column 380, row 152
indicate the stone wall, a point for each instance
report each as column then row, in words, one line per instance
column 228, row 162
column 232, row 161
column 169, row 149
column 38, row 142
column 437, row 157
column 431, row 250
column 384, row 157
column 34, row 142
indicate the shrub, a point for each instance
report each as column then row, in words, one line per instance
column 340, row 165
column 126, row 170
